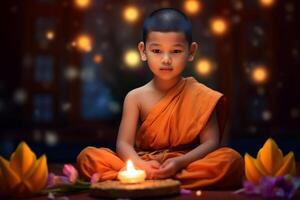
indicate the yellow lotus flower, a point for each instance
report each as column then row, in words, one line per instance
column 23, row 175
column 269, row 162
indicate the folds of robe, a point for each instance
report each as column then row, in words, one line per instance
column 174, row 124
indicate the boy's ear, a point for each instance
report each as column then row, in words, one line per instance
column 142, row 47
column 192, row 51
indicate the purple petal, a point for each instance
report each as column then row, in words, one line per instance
column 250, row 188
column 58, row 181
column 50, row 181
column 185, row 191
column 268, row 187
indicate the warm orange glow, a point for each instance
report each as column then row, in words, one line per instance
column 219, row 26
column 259, row 74
column 204, row 67
column 84, row 43
column 132, row 59
column 131, row 175
column 98, row 58
column 50, row 35
column 82, row 3
column 130, row 14
column 266, row 3
column 192, row 7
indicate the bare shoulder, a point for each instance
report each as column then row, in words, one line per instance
column 136, row 94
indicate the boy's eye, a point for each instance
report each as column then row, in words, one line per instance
column 177, row 51
column 155, row 50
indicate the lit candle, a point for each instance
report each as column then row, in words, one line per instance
column 131, row 175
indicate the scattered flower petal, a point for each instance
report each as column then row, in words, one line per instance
column 51, row 196
column 54, row 180
column 185, row 191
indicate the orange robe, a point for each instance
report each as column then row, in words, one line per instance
column 170, row 130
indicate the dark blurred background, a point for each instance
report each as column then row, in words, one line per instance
column 67, row 65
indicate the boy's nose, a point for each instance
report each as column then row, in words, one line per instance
column 166, row 59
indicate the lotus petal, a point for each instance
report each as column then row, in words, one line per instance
column 270, row 157
column 22, row 159
column 38, row 175
column 288, row 166
column 252, row 170
column 10, row 177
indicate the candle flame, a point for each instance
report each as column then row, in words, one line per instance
column 131, row 175
column 129, row 166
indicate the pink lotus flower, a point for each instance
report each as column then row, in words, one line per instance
column 95, row 178
column 70, row 172
column 67, row 184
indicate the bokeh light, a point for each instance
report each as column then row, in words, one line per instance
column 192, row 7
column 51, row 138
column 132, row 59
column 259, row 74
column 82, row 4
column 131, row 14
column 294, row 113
column 20, row 96
column 50, row 35
column 66, row 106
column 84, row 43
column 98, row 58
column 204, row 67
column 71, row 73
column 219, row 26
column 266, row 3
column 266, row 115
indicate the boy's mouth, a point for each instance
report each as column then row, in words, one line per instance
column 166, row 69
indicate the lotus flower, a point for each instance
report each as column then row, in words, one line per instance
column 95, row 178
column 70, row 172
column 23, row 175
column 269, row 162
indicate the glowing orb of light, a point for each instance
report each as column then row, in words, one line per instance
column 51, row 138
column 132, row 59
column 294, row 113
column 20, row 96
column 84, row 43
column 131, row 14
column 71, row 73
column 266, row 3
column 82, row 4
column 219, row 26
column 50, row 35
column 259, row 74
column 98, row 58
column 204, row 67
column 192, row 7
column 266, row 115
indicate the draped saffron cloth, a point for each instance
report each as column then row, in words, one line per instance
column 172, row 129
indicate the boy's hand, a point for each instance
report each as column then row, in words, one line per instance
column 169, row 168
column 150, row 167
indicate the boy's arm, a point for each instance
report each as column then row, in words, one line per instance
column 209, row 141
column 127, row 129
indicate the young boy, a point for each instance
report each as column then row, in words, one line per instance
column 182, row 121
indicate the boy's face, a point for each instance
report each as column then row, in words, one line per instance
column 167, row 53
